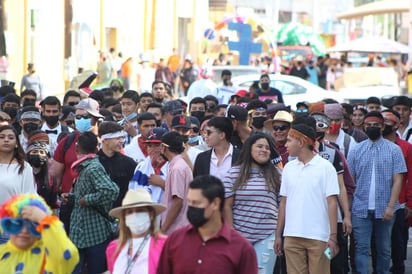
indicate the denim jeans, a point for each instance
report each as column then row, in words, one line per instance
column 93, row 258
column 265, row 254
column 362, row 232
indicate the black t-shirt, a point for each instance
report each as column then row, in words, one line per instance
column 273, row 94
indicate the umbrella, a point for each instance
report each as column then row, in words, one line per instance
column 298, row 34
column 372, row 45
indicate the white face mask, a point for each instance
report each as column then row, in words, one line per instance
column 138, row 222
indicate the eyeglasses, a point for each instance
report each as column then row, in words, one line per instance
column 16, row 225
column 84, row 116
column 321, row 125
column 281, row 128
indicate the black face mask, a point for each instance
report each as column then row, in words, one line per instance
column 51, row 120
column 225, row 82
column 264, row 85
column 30, row 127
column 387, row 130
column 158, row 123
column 196, row 216
column 258, row 122
column 198, row 114
column 373, row 133
column 11, row 111
column 36, row 160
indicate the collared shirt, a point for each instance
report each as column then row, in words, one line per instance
column 388, row 160
column 53, row 136
column 405, row 132
column 307, row 187
column 220, row 169
column 226, row 253
column 87, row 226
column 177, row 184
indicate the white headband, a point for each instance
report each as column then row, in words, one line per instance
column 112, row 135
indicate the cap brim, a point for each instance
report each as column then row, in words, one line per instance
column 117, row 212
column 95, row 114
column 153, row 141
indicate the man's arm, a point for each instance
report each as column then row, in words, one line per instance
column 396, row 189
column 333, row 223
column 57, row 173
column 177, row 204
column 280, row 226
column 344, row 203
column 228, row 211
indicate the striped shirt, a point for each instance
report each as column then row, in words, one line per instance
column 388, row 160
column 255, row 209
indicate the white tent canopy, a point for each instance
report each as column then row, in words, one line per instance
column 371, row 45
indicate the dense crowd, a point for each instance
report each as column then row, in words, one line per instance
column 232, row 181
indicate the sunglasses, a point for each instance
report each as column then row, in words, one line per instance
column 72, row 103
column 84, row 116
column 321, row 125
column 195, row 129
column 281, row 128
column 302, row 110
column 15, row 226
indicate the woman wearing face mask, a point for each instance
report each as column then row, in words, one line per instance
column 16, row 174
column 138, row 248
column 38, row 157
column 251, row 197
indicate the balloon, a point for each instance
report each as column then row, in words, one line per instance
column 209, row 34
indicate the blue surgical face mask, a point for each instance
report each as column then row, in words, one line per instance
column 83, row 125
column 195, row 139
column 131, row 116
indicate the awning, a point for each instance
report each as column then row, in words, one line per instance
column 371, row 44
column 379, row 7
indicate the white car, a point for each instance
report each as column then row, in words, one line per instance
column 235, row 70
column 358, row 84
column 294, row 89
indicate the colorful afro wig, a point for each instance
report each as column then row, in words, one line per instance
column 12, row 207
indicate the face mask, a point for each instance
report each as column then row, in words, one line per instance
column 198, row 114
column 158, row 123
column 264, row 85
column 373, row 133
column 36, row 160
column 11, row 111
column 83, row 125
column 196, row 216
column 51, row 120
column 320, row 135
column 387, row 130
column 138, row 222
column 30, row 127
column 258, row 122
column 185, row 138
column 334, row 128
column 194, row 140
column 225, row 82
column 131, row 116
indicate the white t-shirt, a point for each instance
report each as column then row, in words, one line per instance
column 201, row 88
column 141, row 266
column 307, row 187
column 13, row 183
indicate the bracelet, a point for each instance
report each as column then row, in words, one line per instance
column 333, row 241
column 45, row 223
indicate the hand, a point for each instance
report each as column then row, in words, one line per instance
column 65, row 197
column 82, row 202
column 278, row 246
column 33, row 213
column 129, row 128
column 388, row 214
column 347, row 225
column 156, row 180
column 408, row 212
column 333, row 245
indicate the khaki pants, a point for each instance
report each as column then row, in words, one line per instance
column 305, row 256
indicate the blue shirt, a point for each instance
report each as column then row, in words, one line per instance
column 313, row 74
column 388, row 160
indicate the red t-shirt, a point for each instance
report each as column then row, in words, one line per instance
column 67, row 158
column 227, row 252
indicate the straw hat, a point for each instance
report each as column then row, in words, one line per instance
column 134, row 199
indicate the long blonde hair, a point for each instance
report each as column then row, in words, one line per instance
column 125, row 234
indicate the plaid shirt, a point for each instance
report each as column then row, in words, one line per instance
column 88, row 227
column 388, row 160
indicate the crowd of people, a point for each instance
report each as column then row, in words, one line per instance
column 232, row 181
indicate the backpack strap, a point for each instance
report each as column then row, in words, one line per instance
column 69, row 141
column 346, row 143
column 408, row 134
